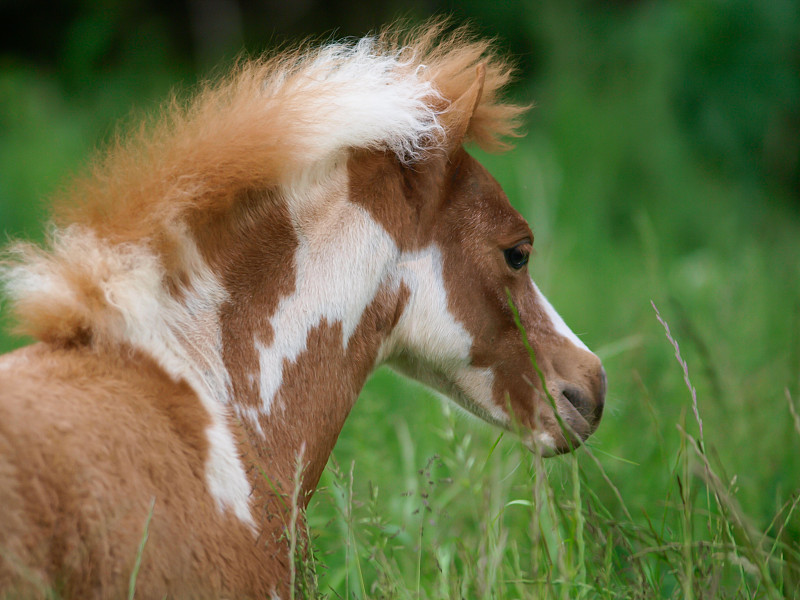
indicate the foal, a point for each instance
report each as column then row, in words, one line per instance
column 216, row 292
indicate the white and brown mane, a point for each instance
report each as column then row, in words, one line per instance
column 216, row 291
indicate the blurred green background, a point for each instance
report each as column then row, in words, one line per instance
column 662, row 162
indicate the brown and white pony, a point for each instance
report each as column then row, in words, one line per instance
column 216, row 291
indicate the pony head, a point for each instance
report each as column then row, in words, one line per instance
column 473, row 324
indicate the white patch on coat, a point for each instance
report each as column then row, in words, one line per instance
column 182, row 336
column 185, row 338
column 13, row 361
column 559, row 325
column 342, row 258
column 426, row 327
column 542, row 442
column 477, row 384
column 251, row 415
column 431, row 345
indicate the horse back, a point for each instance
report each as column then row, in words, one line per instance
column 92, row 447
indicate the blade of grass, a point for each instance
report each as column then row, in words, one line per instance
column 140, row 551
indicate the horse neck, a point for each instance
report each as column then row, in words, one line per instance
column 311, row 301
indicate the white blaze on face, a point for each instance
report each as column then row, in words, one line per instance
column 559, row 325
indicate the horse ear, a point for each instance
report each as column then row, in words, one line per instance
column 457, row 117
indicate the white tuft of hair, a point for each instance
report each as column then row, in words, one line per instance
column 358, row 96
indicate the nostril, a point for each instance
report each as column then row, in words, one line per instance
column 579, row 400
column 588, row 404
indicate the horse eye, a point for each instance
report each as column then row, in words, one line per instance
column 517, row 257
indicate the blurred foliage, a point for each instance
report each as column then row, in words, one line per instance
column 726, row 71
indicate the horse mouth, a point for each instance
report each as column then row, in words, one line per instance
column 576, row 417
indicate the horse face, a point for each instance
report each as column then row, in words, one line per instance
column 458, row 332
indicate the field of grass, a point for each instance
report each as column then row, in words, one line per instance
column 690, row 488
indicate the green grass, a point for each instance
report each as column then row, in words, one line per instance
column 655, row 507
column 140, row 552
column 482, row 519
